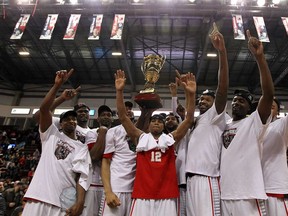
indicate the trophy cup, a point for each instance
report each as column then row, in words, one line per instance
column 151, row 66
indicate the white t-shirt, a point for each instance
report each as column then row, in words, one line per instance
column 204, row 147
column 61, row 158
column 123, row 163
column 91, row 137
column 181, row 159
column 274, row 161
column 241, row 171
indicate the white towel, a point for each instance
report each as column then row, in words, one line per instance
column 148, row 142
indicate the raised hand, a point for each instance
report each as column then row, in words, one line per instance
column 68, row 94
column 255, row 46
column 173, row 89
column 217, row 39
column 119, row 80
column 190, row 84
column 62, row 76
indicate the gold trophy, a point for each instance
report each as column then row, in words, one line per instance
column 151, row 66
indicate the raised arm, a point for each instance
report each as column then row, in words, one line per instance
column 190, row 92
column 130, row 128
column 67, row 94
column 45, row 113
column 264, row 106
column 98, row 148
column 218, row 42
column 143, row 120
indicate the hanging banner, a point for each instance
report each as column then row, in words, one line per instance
column 20, row 26
column 95, row 27
column 285, row 23
column 49, row 27
column 117, row 28
column 72, row 27
column 238, row 28
column 261, row 29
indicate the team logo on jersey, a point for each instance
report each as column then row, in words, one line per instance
column 228, row 136
column 80, row 137
column 63, row 149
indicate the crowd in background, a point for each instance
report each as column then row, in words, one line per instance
column 19, row 156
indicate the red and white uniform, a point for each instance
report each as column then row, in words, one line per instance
column 274, row 165
column 203, row 163
column 156, row 179
column 122, row 169
column 241, row 171
column 62, row 157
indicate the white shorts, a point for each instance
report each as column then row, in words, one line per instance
column 203, row 196
column 122, row 210
column 276, row 206
column 93, row 199
column 152, row 207
column 251, row 207
column 42, row 209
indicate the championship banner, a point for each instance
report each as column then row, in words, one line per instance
column 285, row 23
column 261, row 29
column 72, row 27
column 49, row 27
column 95, row 27
column 238, row 28
column 20, row 26
column 117, row 28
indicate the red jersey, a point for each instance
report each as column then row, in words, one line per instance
column 156, row 175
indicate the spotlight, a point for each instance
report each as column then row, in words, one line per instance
column 260, row 3
column 276, row 2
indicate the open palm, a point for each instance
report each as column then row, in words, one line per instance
column 120, row 80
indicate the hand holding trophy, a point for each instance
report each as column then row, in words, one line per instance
column 151, row 66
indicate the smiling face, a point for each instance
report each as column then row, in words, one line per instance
column 83, row 116
column 68, row 124
column 205, row 103
column 171, row 123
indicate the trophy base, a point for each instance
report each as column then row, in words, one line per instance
column 148, row 100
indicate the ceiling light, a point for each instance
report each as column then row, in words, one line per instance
column 260, row 2
column 276, row 2
column 116, row 53
column 73, row 1
column 211, row 55
column 24, row 53
column 233, row 2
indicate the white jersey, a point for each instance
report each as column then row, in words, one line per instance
column 241, row 171
column 274, row 161
column 181, row 159
column 91, row 137
column 204, row 147
column 80, row 131
column 123, row 162
column 61, row 158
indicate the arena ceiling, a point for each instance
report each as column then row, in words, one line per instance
column 178, row 30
